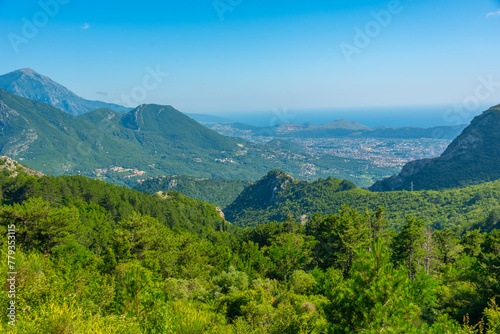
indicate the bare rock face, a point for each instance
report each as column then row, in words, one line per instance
column 219, row 210
column 473, row 157
column 13, row 167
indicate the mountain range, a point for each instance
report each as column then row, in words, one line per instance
column 39, row 128
column 148, row 141
column 32, row 85
column 55, row 142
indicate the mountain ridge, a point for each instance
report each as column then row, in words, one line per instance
column 29, row 84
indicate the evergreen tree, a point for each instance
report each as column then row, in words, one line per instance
column 407, row 246
column 376, row 299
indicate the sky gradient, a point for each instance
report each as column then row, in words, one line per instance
column 239, row 56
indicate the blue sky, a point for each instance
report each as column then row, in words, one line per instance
column 261, row 55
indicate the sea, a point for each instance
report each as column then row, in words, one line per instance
column 410, row 116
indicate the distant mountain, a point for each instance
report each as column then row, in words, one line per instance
column 149, row 141
column 437, row 132
column 32, row 85
column 347, row 129
column 473, row 157
column 278, row 196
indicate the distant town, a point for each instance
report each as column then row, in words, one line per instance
column 383, row 152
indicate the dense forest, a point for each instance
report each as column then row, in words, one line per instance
column 91, row 257
column 219, row 192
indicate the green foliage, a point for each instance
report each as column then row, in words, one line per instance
column 231, row 281
column 376, row 298
column 303, row 283
column 492, row 314
column 408, row 251
column 341, row 235
column 454, row 209
column 219, row 192
column 102, row 205
column 40, row 226
column 290, row 251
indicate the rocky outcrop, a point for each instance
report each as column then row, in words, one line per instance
column 221, row 214
column 13, row 167
column 277, row 182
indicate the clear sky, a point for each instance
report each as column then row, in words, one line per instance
column 236, row 56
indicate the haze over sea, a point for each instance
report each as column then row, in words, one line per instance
column 403, row 116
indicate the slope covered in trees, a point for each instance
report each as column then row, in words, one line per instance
column 278, row 196
column 92, row 257
column 219, row 192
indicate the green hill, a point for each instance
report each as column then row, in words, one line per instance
column 473, row 157
column 157, row 127
column 278, row 196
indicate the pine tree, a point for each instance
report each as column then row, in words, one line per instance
column 376, row 299
column 407, row 246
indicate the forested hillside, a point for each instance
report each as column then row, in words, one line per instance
column 278, row 196
column 219, row 192
column 90, row 257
